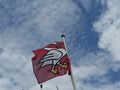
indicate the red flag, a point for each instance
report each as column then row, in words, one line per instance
column 50, row 61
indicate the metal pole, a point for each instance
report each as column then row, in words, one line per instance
column 72, row 78
column 41, row 86
column 57, row 88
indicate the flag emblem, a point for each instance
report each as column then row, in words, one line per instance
column 53, row 57
column 50, row 61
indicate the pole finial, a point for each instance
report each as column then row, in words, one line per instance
column 62, row 35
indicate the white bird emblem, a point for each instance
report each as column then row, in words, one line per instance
column 53, row 57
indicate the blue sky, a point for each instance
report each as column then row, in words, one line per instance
column 92, row 30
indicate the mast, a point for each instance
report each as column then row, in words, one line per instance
column 71, row 74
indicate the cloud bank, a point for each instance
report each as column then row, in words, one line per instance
column 109, row 30
column 25, row 26
column 29, row 25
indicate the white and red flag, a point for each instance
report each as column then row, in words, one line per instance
column 50, row 61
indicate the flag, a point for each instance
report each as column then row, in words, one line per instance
column 50, row 61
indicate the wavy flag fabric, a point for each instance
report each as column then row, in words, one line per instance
column 50, row 61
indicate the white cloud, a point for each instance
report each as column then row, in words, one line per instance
column 109, row 28
column 19, row 39
column 32, row 26
column 92, row 66
column 5, row 83
column 111, row 86
column 86, row 4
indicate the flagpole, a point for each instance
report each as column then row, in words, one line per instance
column 41, row 86
column 57, row 88
column 72, row 78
